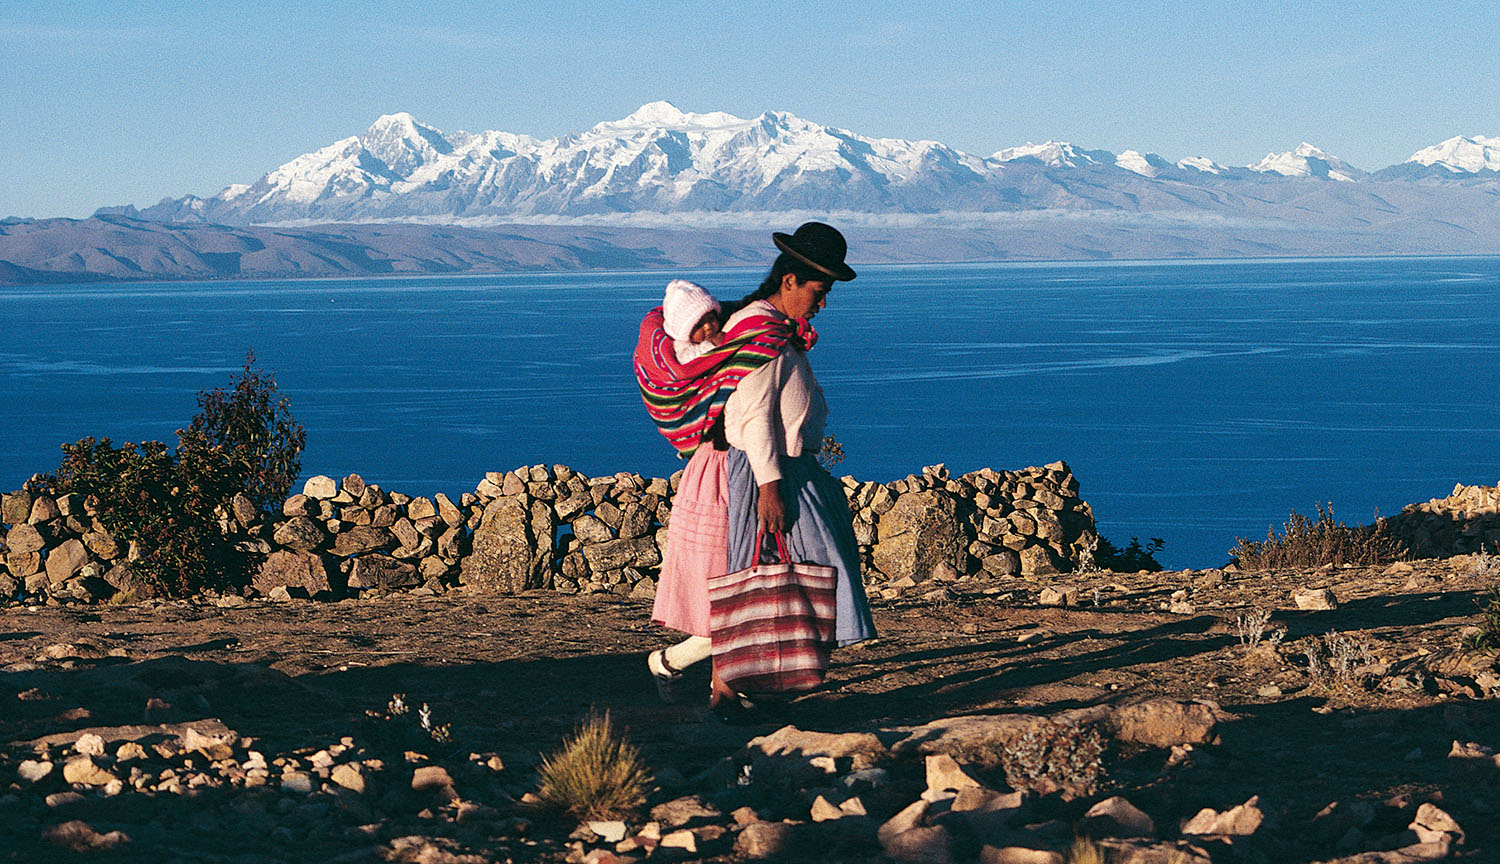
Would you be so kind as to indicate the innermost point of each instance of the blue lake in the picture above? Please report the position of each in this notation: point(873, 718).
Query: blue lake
point(1195, 401)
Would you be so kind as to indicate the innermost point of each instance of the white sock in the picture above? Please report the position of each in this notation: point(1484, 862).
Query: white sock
point(689, 651)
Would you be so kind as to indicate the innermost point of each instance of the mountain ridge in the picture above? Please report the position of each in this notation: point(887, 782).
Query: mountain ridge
point(662, 160)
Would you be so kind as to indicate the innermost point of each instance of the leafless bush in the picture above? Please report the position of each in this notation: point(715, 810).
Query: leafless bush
point(1336, 657)
point(1254, 627)
point(1307, 543)
point(1484, 565)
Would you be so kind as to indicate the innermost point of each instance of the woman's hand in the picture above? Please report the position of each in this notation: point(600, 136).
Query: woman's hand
point(771, 509)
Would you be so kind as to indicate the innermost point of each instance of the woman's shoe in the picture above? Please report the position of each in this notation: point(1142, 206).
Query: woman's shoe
point(664, 675)
point(737, 711)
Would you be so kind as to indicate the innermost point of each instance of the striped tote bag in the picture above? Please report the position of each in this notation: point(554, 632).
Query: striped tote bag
point(772, 624)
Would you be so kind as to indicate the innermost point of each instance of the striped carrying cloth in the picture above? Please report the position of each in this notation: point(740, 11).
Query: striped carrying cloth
point(773, 624)
point(684, 399)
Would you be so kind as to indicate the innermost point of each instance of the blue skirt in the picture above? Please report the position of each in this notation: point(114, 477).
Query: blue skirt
point(821, 532)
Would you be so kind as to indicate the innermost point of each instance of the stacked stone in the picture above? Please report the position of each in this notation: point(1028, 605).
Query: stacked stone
point(352, 533)
point(552, 527)
point(55, 547)
point(1465, 522)
point(1004, 523)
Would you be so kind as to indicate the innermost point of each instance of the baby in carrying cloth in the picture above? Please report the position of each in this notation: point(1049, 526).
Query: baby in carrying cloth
point(690, 315)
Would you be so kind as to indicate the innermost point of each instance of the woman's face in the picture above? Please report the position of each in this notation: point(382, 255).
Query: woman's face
point(803, 299)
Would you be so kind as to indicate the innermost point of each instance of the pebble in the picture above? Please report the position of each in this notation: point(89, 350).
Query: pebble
point(33, 771)
point(89, 744)
point(297, 782)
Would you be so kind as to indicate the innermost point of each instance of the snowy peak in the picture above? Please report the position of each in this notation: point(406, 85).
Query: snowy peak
point(664, 116)
point(1201, 163)
point(1461, 155)
point(1307, 160)
point(1144, 164)
point(403, 144)
point(1053, 154)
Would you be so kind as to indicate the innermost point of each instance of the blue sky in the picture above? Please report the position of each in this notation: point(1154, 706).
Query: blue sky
point(128, 102)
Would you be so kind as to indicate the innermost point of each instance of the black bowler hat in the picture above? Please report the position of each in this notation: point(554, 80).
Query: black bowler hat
point(820, 247)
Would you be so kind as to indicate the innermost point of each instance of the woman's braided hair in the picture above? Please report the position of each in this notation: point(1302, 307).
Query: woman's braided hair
point(783, 265)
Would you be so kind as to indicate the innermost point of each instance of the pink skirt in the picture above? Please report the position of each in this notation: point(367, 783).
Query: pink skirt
point(697, 544)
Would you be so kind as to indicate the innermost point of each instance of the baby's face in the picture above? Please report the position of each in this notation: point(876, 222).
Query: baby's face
point(706, 330)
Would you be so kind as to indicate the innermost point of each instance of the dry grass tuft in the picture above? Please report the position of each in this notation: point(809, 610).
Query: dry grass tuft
point(597, 774)
point(1304, 543)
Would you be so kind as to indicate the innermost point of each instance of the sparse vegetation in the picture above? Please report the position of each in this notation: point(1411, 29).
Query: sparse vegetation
point(1484, 565)
point(1086, 851)
point(597, 774)
point(1486, 637)
point(1336, 658)
point(167, 503)
point(1252, 627)
point(1307, 543)
point(830, 454)
point(1054, 756)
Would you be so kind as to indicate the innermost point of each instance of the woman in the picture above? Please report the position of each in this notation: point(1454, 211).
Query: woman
point(762, 474)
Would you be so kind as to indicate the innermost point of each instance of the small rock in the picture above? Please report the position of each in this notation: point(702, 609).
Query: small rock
point(82, 771)
point(682, 811)
point(1315, 599)
point(929, 845)
point(129, 751)
point(824, 810)
point(298, 782)
point(1059, 596)
point(33, 771)
point(63, 799)
point(944, 773)
point(349, 777)
point(1117, 817)
point(910, 817)
point(681, 839)
point(434, 779)
point(81, 837)
point(609, 832)
point(1241, 821)
point(1434, 825)
point(320, 488)
point(743, 816)
point(1019, 855)
point(769, 839)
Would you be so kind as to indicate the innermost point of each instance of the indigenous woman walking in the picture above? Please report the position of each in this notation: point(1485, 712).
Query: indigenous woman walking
point(751, 417)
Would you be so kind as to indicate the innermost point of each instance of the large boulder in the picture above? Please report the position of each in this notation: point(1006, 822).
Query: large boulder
point(361, 539)
point(921, 535)
point(508, 555)
point(640, 552)
point(64, 562)
point(288, 569)
point(382, 571)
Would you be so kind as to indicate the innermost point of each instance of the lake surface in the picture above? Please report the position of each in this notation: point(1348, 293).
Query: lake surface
point(1196, 401)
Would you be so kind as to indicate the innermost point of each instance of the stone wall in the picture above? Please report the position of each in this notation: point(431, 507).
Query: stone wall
point(550, 527)
point(1467, 521)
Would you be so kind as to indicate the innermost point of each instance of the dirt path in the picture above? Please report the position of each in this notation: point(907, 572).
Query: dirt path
point(513, 675)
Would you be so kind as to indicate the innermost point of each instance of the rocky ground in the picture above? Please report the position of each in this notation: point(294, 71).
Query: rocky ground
point(1189, 716)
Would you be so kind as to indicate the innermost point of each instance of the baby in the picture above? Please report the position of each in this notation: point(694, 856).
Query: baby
point(691, 317)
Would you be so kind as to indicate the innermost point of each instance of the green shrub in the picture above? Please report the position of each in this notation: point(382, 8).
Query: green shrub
point(597, 774)
point(252, 428)
point(1304, 543)
point(1486, 637)
point(1137, 556)
point(167, 502)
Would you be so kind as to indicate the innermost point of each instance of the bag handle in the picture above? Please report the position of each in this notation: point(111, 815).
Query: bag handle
point(760, 545)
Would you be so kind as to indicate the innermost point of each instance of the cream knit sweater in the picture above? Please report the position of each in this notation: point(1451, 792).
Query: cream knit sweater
point(777, 409)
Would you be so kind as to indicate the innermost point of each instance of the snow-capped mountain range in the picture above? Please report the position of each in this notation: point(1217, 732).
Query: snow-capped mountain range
point(660, 160)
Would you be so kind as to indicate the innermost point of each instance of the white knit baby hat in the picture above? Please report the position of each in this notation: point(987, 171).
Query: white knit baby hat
point(684, 306)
